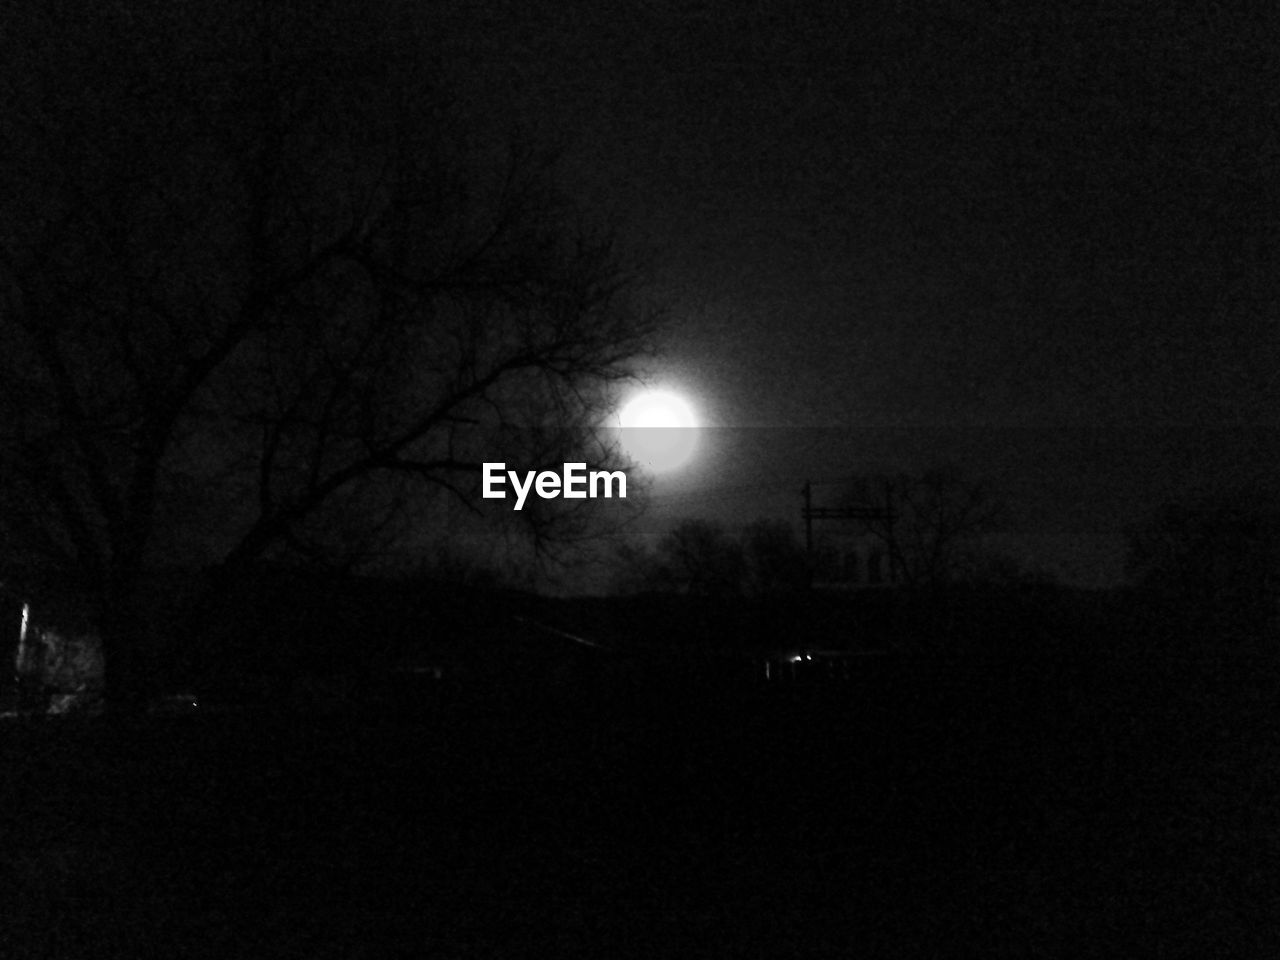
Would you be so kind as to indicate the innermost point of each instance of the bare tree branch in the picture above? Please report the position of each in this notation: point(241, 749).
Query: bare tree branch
point(268, 283)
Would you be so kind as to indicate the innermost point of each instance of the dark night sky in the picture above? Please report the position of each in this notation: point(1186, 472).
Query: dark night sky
point(1039, 244)
point(1035, 242)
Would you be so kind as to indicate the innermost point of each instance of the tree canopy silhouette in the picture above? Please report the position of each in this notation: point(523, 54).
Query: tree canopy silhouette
point(1210, 564)
point(261, 285)
point(701, 557)
point(939, 518)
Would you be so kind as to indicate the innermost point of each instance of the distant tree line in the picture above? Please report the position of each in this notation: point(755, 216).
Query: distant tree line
point(934, 526)
point(1207, 567)
point(701, 557)
point(936, 536)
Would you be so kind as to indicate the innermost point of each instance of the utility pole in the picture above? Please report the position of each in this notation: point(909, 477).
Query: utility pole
point(808, 518)
point(893, 541)
point(885, 513)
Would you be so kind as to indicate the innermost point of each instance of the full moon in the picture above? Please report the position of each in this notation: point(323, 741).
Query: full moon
point(658, 430)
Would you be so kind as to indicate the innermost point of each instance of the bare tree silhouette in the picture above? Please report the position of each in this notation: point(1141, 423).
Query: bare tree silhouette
point(938, 517)
point(261, 287)
point(699, 557)
point(1211, 564)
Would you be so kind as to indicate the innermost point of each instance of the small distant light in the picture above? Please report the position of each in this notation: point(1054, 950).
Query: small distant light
point(796, 658)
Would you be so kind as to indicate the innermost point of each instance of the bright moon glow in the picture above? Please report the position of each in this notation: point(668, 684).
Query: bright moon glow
point(658, 431)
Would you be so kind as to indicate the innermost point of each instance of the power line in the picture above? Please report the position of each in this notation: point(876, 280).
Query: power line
point(722, 490)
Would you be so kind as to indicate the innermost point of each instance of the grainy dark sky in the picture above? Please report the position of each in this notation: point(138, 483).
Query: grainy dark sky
point(1039, 242)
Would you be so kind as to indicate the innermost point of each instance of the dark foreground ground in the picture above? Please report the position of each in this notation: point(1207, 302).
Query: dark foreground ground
point(995, 810)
